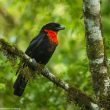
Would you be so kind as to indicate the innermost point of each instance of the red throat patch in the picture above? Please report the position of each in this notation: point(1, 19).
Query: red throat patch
point(52, 36)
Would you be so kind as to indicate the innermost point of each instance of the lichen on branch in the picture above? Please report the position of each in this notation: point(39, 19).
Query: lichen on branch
point(96, 52)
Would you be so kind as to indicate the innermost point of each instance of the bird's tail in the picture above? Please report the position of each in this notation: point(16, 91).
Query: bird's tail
point(24, 74)
point(19, 85)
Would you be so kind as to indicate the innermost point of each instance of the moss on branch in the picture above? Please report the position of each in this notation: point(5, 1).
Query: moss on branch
point(74, 94)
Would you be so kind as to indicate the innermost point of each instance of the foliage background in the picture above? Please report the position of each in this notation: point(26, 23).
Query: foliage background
point(20, 21)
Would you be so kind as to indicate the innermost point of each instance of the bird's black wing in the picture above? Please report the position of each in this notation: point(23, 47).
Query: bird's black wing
point(34, 44)
point(24, 71)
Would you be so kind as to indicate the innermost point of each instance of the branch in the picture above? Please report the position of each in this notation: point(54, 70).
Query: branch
point(74, 94)
point(96, 52)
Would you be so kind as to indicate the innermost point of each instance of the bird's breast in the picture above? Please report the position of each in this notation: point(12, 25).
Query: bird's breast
point(52, 36)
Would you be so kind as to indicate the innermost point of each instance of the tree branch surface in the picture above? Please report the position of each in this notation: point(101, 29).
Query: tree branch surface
point(74, 94)
point(96, 52)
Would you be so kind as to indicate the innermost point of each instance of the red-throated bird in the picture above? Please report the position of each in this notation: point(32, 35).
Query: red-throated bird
point(41, 49)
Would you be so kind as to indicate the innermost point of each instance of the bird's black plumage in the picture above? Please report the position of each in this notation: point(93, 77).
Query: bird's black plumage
point(41, 49)
point(38, 48)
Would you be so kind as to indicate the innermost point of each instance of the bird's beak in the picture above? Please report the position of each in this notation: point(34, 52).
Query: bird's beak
point(60, 28)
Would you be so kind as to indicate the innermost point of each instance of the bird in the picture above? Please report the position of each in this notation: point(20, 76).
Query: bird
point(41, 48)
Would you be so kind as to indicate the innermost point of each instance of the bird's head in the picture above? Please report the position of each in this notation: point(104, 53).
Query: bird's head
point(53, 27)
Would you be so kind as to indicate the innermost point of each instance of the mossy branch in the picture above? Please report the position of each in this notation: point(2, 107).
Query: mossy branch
point(74, 94)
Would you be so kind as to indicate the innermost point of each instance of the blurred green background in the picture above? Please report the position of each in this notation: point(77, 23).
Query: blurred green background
point(20, 22)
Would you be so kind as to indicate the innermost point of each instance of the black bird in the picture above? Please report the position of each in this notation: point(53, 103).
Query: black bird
point(41, 49)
